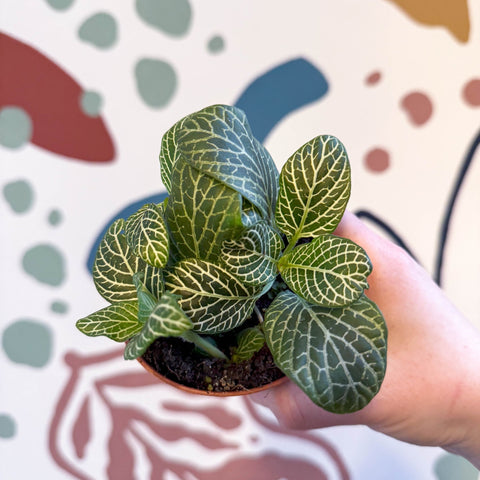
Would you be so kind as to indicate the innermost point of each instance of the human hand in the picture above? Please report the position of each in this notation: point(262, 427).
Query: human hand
point(431, 391)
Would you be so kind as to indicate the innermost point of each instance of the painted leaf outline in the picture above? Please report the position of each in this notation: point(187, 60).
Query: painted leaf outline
point(336, 356)
point(212, 297)
point(329, 271)
point(114, 266)
point(201, 213)
point(314, 188)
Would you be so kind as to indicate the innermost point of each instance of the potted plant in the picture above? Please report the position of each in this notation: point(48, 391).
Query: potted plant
point(240, 264)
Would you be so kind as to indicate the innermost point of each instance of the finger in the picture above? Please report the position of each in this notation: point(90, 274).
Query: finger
point(293, 409)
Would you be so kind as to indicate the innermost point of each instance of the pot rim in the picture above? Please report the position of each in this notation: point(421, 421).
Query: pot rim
point(197, 391)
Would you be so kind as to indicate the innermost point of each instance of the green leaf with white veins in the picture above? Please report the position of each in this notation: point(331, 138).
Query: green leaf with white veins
point(114, 266)
point(169, 154)
point(166, 320)
point(147, 235)
point(329, 271)
point(336, 356)
point(118, 322)
point(250, 341)
point(201, 213)
point(314, 189)
point(253, 256)
point(212, 297)
point(219, 142)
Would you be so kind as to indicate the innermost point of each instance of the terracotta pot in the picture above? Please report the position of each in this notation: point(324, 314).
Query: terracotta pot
point(196, 391)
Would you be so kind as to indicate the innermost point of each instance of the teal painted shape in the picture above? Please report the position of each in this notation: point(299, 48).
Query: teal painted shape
point(28, 342)
point(172, 17)
point(100, 30)
point(454, 467)
point(8, 426)
point(19, 195)
point(45, 263)
point(15, 127)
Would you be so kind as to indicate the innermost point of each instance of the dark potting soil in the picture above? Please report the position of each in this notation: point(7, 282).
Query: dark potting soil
point(181, 362)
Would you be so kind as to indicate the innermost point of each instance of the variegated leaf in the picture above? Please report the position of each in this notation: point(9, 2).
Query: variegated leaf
point(314, 189)
point(153, 280)
point(252, 258)
point(146, 301)
point(201, 213)
point(168, 154)
point(114, 266)
point(212, 297)
point(329, 271)
point(147, 235)
point(166, 320)
point(250, 341)
point(336, 356)
point(219, 142)
point(118, 322)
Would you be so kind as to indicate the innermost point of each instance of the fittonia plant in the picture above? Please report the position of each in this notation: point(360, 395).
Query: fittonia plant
point(231, 231)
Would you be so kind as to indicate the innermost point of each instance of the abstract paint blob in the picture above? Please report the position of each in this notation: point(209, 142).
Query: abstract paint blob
point(280, 91)
point(59, 307)
point(91, 103)
point(15, 127)
point(60, 4)
point(453, 466)
point(28, 342)
point(8, 427)
point(418, 107)
point(156, 81)
point(373, 78)
point(19, 195)
point(471, 92)
point(377, 160)
point(216, 44)
point(172, 17)
point(45, 263)
point(55, 217)
point(50, 98)
point(451, 14)
point(100, 30)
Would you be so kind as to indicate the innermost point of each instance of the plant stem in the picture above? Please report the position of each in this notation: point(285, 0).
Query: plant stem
point(203, 344)
point(258, 313)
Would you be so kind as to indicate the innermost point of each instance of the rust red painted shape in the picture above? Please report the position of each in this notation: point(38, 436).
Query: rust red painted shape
point(51, 97)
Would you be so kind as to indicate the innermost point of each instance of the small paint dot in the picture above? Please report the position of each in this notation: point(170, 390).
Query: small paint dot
point(91, 103)
point(8, 427)
point(156, 82)
point(55, 217)
point(28, 342)
point(60, 4)
point(216, 44)
point(377, 160)
point(19, 195)
point(15, 127)
point(471, 92)
point(373, 78)
point(100, 30)
point(172, 17)
point(59, 307)
point(418, 107)
point(45, 263)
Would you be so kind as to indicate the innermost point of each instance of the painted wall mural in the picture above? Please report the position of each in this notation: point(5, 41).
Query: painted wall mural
point(86, 92)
